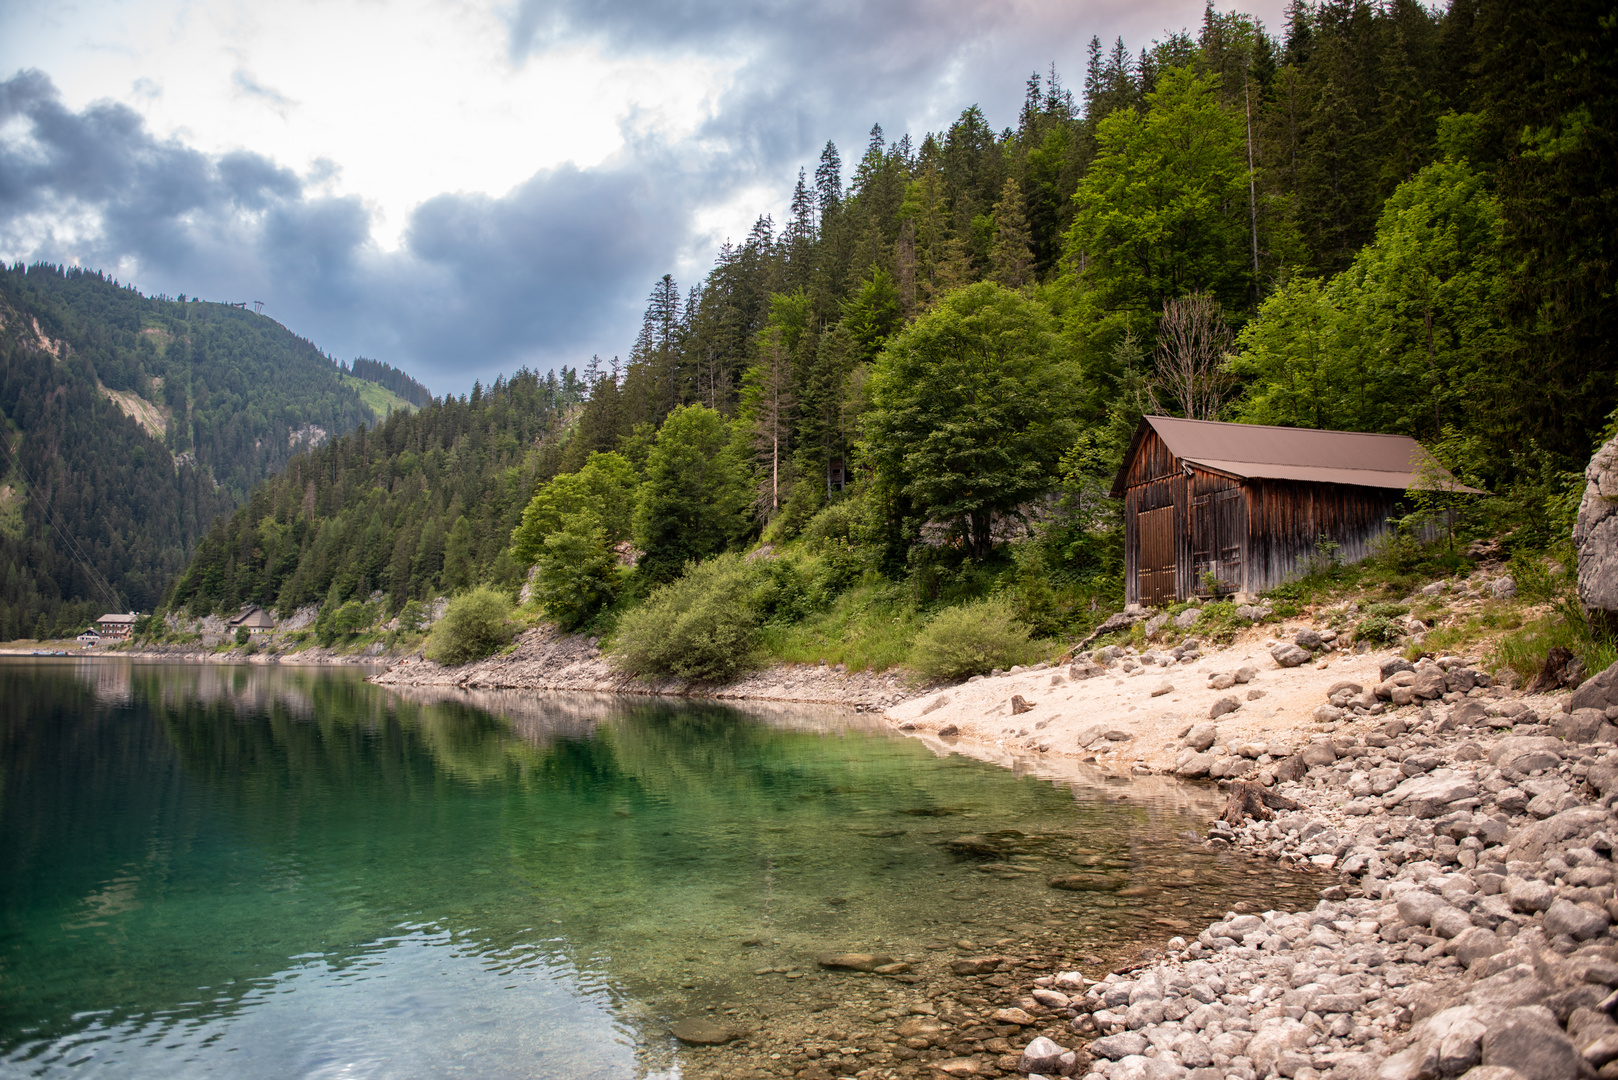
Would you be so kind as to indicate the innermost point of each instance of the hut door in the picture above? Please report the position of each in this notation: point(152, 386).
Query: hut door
point(1155, 564)
point(1216, 540)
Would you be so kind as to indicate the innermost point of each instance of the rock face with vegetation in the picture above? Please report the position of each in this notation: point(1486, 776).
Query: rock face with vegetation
point(1596, 537)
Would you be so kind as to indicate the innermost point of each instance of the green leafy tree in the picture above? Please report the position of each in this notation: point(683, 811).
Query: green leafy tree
point(696, 496)
point(1163, 210)
point(604, 488)
point(576, 571)
point(971, 408)
point(1403, 339)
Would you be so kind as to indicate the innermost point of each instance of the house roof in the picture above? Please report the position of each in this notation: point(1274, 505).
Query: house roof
point(256, 619)
point(1259, 452)
point(116, 618)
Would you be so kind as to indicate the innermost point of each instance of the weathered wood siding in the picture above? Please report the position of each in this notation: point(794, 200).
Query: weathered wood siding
point(1218, 534)
point(1249, 534)
point(1155, 481)
point(1286, 519)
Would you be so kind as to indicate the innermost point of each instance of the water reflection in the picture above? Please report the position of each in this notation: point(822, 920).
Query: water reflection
point(312, 875)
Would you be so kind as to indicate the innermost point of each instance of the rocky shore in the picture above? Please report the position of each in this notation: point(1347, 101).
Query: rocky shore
point(1469, 931)
point(547, 660)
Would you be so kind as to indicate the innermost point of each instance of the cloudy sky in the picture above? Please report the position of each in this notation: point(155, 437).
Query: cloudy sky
point(462, 187)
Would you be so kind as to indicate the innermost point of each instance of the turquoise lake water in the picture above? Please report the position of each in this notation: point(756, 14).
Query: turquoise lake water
point(281, 872)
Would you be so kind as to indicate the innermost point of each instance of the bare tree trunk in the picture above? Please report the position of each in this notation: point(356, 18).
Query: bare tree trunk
point(1252, 189)
point(1192, 343)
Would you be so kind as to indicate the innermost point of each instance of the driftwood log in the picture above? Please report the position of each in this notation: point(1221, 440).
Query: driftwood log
point(1249, 799)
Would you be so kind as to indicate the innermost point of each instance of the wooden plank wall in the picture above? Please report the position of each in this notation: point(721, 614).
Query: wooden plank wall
point(1218, 527)
point(1287, 518)
point(1154, 480)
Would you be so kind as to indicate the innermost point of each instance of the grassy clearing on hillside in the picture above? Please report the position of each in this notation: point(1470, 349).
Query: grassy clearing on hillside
point(379, 399)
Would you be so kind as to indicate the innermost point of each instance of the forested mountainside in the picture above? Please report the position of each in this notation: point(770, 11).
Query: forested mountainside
point(131, 423)
point(1386, 218)
point(420, 505)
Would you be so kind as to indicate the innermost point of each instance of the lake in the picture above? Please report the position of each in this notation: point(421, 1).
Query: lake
point(288, 872)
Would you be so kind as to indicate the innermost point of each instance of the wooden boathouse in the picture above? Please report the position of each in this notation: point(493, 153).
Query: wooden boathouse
point(1246, 506)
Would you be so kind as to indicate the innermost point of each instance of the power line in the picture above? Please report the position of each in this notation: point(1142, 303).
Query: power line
point(76, 552)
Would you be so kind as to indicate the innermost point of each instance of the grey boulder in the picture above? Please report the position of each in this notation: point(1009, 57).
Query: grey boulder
point(1290, 655)
point(1595, 538)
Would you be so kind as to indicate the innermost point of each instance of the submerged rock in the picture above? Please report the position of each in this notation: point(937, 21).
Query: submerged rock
point(696, 1031)
point(854, 961)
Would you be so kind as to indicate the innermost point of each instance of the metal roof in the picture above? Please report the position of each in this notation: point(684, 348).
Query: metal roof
point(1259, 452)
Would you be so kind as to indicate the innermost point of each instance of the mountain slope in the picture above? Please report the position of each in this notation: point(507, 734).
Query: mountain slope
point(129, 424)
point(420, 505)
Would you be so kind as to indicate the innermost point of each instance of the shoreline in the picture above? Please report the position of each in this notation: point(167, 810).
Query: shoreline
point(1465, 837)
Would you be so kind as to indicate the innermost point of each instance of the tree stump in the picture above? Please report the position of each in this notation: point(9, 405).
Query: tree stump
point(1553, 675)
point(1250, 799)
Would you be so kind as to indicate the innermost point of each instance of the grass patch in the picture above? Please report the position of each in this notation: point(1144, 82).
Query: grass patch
point(1523, 651)
point(378, 398)
point(870, 627)
point(1464, 636)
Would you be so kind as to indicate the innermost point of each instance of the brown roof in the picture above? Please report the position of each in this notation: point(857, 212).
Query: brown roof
point(116, 619)
point(256, 619)
point(1259, 452)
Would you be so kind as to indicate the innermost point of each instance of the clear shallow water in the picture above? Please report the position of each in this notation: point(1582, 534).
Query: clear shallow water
point(274, 872)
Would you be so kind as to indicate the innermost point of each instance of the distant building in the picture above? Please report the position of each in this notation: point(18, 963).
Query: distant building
point(89, 639)
point(116, 626)
point(255, 619)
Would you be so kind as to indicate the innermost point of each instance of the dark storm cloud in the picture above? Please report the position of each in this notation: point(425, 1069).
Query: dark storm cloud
point(481, 284)
point(559, 266)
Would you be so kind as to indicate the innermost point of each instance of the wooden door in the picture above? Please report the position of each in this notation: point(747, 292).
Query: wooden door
point(1217, 531)
point(1155, 562)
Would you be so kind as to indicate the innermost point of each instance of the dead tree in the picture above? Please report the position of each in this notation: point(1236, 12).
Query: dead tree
point(1192, 342)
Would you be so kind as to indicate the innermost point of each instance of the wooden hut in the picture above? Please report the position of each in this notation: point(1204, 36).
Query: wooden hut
point(1245, 506)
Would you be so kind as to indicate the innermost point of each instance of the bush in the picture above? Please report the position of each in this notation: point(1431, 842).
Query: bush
point(1379, 626)
point(243, 635)
point(972, 640)
point(702, 626)
point(477, 624)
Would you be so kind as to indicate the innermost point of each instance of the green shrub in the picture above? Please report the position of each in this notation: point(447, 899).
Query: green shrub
point(838, 522)
point(1378, 625)
point(702, 626)
point(243, 635)
point(476, 624)
point(972, 639)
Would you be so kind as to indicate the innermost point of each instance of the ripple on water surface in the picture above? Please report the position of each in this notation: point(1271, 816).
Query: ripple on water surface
point(284, 872)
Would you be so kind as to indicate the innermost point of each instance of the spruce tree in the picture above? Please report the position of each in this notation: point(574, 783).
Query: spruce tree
point(1011, 259)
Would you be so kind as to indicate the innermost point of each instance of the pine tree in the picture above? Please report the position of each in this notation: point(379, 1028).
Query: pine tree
point(829, 181)
point(1011, 259)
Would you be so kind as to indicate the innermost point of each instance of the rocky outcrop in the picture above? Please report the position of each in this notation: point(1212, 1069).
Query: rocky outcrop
point(1595, 535)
